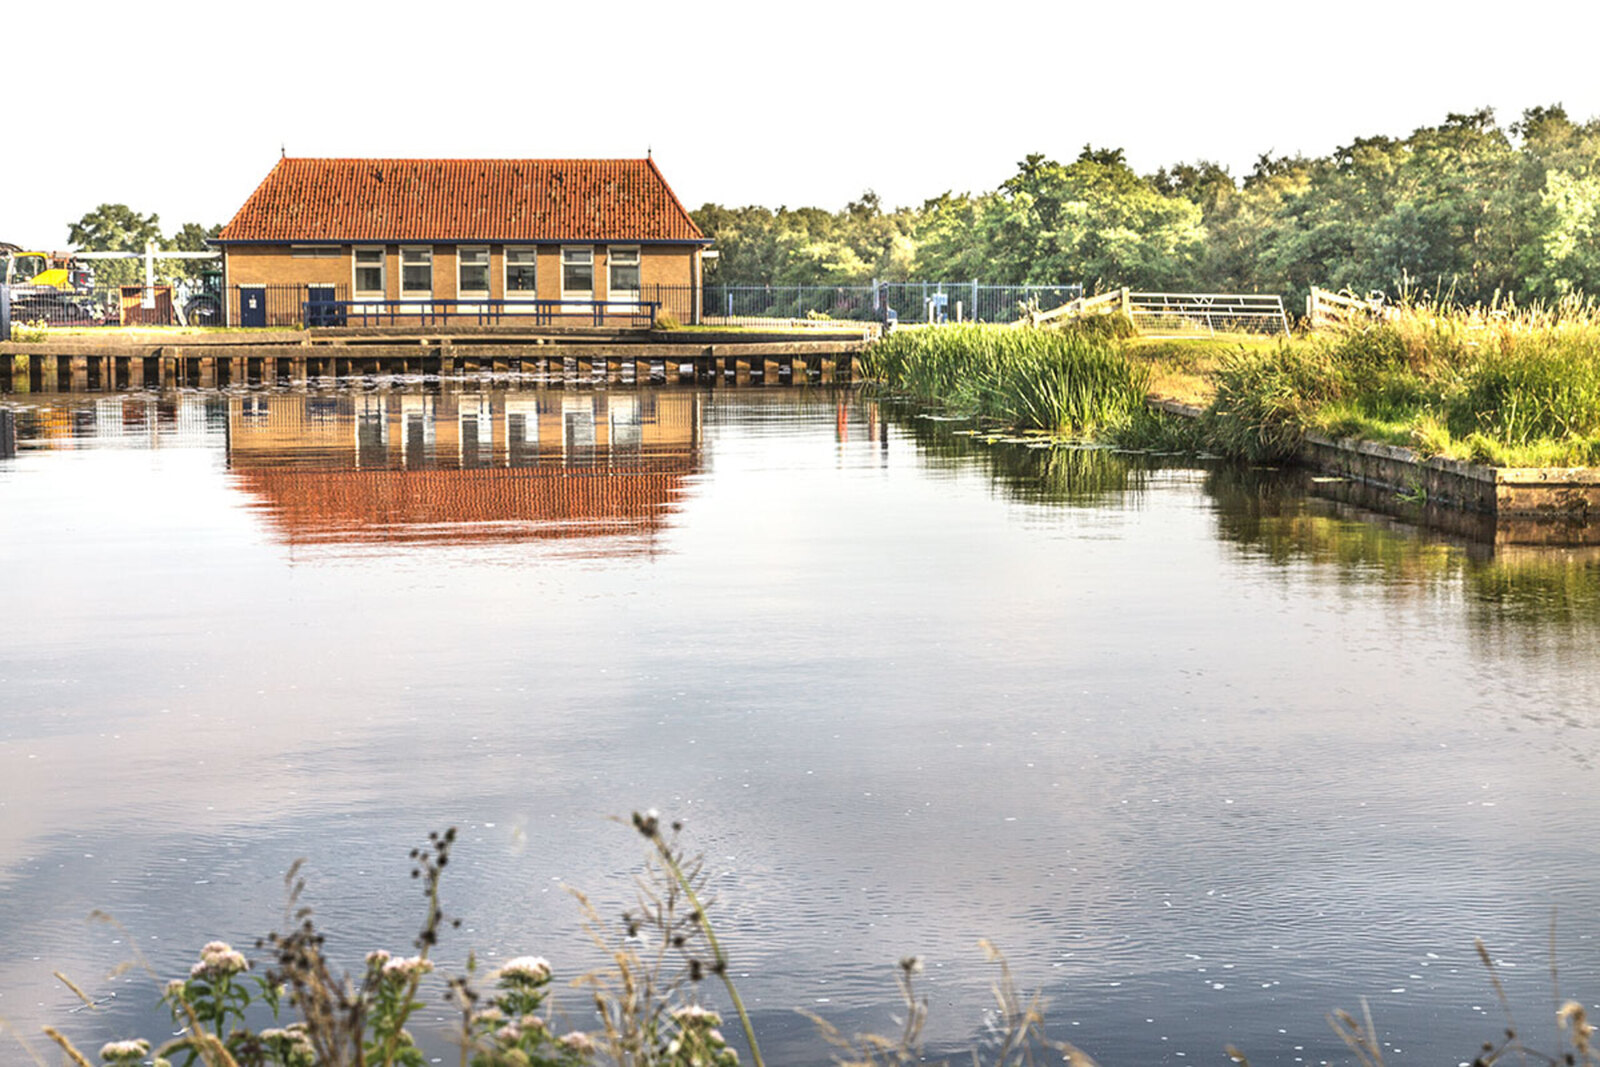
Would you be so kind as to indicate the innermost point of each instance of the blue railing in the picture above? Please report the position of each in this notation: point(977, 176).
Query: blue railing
point(475, 312)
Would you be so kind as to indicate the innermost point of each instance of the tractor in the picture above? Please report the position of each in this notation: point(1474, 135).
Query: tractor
point(201, 303)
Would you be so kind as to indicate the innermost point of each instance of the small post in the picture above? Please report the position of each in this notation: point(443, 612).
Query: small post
point(5, 312)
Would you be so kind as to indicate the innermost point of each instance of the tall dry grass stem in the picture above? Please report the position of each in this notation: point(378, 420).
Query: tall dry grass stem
point(649, 825)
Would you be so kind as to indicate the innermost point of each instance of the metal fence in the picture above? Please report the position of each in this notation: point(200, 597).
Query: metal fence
point(325, 313)
point(291, 306)
point(42, 305)
point(930, 301)
point(972, 301)
point(165, 305)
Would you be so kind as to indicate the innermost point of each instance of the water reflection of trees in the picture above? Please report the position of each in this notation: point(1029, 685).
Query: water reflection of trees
point(1279, 516)
point(1055, 474)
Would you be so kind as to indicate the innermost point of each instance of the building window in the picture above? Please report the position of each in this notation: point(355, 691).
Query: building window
point(370, 280)
point(522, 280)
point(623, 266)
point(472, 272)
point(416, 272)
point(577, 274)
point(314, 251)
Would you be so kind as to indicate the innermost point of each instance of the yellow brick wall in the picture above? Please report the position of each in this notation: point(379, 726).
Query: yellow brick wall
point(274, 265)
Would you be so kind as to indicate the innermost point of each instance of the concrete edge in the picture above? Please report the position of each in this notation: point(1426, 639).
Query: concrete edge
point(1541, 492)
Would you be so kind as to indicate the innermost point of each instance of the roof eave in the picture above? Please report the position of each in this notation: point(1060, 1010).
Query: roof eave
point(223, 241)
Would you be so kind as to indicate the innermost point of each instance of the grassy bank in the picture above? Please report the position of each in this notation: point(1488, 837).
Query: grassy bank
point(1510, 390)
point(1519, 389)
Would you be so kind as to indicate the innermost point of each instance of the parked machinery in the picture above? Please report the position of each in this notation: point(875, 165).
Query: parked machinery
point(49, 287)
point(201, 303)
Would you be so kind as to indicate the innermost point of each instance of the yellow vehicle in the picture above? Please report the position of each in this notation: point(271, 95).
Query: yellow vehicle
point(44, 270)
point(48, 287)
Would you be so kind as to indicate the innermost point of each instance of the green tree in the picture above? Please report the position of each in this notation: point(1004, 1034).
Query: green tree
point(1569, 244)
point(1465, 209)
point(115, 228)
point(808, 245)
point(191, 237)
point(1098, 222)
point(119, 228)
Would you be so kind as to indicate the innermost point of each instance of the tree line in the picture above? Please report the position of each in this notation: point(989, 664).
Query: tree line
point(1467, 210)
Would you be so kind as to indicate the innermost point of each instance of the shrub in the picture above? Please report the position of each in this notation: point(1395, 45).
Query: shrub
point(1264, 401)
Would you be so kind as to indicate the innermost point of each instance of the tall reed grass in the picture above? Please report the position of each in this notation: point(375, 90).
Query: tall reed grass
point(1056, 381)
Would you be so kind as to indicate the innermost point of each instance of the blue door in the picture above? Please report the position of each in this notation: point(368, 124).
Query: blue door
point(253, 305)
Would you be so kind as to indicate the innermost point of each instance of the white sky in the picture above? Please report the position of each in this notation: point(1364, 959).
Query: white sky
point(182, 110)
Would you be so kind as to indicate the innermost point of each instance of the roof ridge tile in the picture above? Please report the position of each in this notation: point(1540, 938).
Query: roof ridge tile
point(355, 199)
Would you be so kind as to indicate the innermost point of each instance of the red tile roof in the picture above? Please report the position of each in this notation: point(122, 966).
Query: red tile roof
point(343, 200)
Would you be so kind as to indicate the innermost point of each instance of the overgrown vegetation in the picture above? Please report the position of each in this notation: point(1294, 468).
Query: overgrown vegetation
point(1508, 388)
point(1500, 386)
point(648, 1007)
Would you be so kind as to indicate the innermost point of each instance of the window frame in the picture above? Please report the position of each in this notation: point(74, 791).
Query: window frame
point(380, 293)
point(577, 294)
point(630, 295)
point(462, 292)
point(426, 252)
point(505, 272)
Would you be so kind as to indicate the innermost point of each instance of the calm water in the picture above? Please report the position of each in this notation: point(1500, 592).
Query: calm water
point(1207, 756)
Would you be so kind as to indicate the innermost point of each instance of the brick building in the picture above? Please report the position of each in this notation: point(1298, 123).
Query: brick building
point(513, 230)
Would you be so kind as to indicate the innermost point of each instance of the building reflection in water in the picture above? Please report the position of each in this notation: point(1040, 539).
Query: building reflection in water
point(463, 466)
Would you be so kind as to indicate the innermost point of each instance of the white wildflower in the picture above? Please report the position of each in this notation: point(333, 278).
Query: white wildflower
point(533, 969)
point(695, 1015)
point(578, 1041)
point(219, 960)
point(125, 1051)
point(406, 968)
